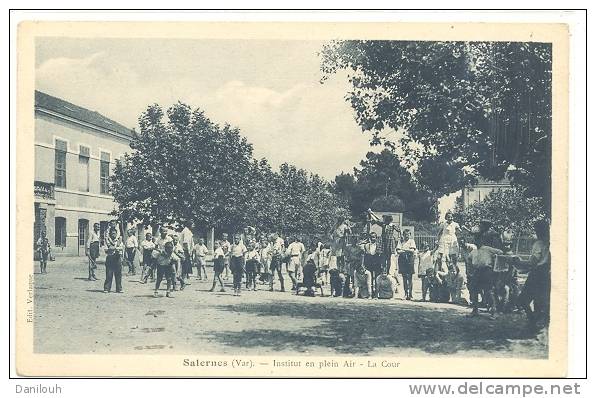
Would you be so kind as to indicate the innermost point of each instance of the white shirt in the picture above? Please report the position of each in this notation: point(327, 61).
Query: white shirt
point(218, 253)
point(131, 242)
point(201, 250)
point(295, 249)
point(425, 262)
point(448, 232)
point(148, 244)
point(186, 237)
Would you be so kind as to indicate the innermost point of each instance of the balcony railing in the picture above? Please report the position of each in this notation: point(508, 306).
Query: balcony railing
point(44, 190)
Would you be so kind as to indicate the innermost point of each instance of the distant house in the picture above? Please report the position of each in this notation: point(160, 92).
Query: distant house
point(75, 152)
point(477, 193)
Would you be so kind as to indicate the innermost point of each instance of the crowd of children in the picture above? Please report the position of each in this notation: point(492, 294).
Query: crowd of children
point(366, 267)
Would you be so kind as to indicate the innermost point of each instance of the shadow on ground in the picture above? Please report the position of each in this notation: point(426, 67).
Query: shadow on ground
point(353, 328)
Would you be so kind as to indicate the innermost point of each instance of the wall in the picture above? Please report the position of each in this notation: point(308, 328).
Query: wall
point(71, 202)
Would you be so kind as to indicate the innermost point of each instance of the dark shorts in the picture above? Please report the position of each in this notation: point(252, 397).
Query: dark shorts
point(218, 265)
point(482, 279)
point(405, 263)
point(252, 266)
point(237, 265)
point(372, 262)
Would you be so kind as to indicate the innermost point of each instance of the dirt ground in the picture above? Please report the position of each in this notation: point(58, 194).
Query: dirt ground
point(73, 315)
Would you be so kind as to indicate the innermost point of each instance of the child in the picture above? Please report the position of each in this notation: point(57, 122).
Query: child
point(166, 264)
point(294, 265)
point(277, 252)
point(407, 253)
point(114, 249)
point(265, 255)
point(455, 282)
point(131, 248)
point(310, 280)
point(225, 246)
point(218, 266)
point(148, 267)
point(425, 262)
point(252, 264)
point(93, 251)
point(178, 257)
point(44, 248)
point(324, 257)
point(237, 263)
point(386, 285)
point(186, 262)
point(362, 282)
point(199, 254)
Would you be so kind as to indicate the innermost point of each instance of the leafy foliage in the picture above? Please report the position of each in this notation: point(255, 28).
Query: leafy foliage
point(185, 167)
point(382, 181)
point(457, 110)
point(509, 210)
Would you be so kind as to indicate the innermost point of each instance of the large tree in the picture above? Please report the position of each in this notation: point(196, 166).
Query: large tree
point(457, 110)
point(382, 181)
point(184, 167)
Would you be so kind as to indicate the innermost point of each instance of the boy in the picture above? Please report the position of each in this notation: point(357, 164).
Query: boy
point(166, 264)
point(44, 248)
point(131, 247)
point(114, 250)
point(200, 253)
point(310, 280)
point(362, 283)
point(148, 267)
point(225, 246)
point(178, 257)
point(294, 251)
point(252, 264)
point(425, 261)
point(277, 251)
point(218, 266)
point(237, 253)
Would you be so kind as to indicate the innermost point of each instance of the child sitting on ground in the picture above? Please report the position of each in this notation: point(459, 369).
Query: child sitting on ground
point(309, 280)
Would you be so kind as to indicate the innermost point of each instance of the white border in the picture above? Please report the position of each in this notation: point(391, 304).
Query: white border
point(577, 220)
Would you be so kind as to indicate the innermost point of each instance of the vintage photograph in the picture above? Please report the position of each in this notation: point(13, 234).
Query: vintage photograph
point(287, 198)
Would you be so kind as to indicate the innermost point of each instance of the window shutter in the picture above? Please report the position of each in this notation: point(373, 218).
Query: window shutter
point(84, 151)
point(61, 145)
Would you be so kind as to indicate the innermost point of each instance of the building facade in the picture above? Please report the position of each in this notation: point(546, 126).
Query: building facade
point(477, 193)
point(75, 152)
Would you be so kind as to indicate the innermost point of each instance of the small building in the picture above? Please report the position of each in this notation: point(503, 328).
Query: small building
point(476, 193)
point(75, 152)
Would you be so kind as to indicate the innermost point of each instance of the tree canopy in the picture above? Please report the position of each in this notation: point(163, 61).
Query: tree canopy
point(457, 110)
point(184, 167)
point(509, 210)
point(381, 181)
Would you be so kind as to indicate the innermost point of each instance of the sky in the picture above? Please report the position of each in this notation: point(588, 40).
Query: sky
point(269, 89)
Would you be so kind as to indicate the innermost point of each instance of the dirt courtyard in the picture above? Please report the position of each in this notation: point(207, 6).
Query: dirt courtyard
point(74, 316)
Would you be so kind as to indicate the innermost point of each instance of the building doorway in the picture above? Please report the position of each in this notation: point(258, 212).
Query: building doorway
point(83, 235)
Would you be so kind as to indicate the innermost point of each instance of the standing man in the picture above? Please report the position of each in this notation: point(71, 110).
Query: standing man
point(114, 250)
point(93, 251)
point(277, 252)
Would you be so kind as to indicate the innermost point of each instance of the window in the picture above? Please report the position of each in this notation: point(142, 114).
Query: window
point(60, 164)
point(104, 172)
point(84, 164)
point(60, 231)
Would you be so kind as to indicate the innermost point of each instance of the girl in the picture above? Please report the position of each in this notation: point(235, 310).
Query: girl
point(405, 261)
point(447, 239)
point(148, 267)
point(218, 266)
